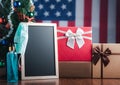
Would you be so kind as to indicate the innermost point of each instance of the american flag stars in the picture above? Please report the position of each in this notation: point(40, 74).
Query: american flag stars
point(54, 10)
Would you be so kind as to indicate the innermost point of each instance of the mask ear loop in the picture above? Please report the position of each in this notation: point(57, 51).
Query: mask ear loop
point(19, 59)
point(19, 62)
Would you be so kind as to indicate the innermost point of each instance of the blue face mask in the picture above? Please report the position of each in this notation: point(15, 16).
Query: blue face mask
point(21, 38)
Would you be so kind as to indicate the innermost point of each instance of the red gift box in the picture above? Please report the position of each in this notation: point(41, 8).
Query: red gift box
point(74, 44)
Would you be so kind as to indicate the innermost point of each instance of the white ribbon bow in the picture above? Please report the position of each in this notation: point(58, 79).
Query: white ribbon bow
point(78, 36)
point(75, 36)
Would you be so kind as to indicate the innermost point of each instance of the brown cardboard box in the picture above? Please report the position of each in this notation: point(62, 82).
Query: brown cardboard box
point(75, 69)
point(112, 70)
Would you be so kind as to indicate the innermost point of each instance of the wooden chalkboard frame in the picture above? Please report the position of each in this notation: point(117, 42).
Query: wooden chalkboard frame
point(23, 59)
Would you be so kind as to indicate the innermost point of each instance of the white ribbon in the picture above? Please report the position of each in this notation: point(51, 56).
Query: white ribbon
point(78, 36)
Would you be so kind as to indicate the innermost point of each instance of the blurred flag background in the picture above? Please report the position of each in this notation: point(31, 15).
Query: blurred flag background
point(102, 15)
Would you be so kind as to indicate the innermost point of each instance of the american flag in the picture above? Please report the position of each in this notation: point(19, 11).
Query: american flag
point(102, 15)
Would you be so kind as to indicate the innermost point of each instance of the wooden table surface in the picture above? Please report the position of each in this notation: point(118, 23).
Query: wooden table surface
point(65, 81)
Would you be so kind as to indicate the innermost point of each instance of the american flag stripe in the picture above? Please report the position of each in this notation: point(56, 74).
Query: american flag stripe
point(55, 22)
point(102, 15)
point(63, 23)
point(87, 12)
point(79, 18)
point(71, 23)
point(95, 20)
point(103, 21)
point(111, 21)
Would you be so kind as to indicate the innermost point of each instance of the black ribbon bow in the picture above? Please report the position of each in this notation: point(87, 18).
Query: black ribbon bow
point(97, 54)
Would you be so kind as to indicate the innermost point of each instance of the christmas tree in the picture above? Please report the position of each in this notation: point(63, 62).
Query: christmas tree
point(12, 12)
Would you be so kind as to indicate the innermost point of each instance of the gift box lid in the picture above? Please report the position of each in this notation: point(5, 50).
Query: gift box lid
point(74, 43)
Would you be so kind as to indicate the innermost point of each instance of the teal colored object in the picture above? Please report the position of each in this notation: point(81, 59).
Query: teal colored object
point(21, 38)
point(12, 67)
point(0, 63)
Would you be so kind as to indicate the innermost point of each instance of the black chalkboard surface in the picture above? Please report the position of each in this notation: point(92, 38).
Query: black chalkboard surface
point(40, 60)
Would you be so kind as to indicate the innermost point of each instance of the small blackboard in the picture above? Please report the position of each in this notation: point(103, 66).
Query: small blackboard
point(41, 57)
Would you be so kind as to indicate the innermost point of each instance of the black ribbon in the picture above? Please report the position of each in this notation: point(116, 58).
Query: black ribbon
point(97, 54)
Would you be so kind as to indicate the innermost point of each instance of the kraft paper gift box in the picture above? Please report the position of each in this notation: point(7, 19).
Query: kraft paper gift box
point(107, 66)
point(74, 51)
